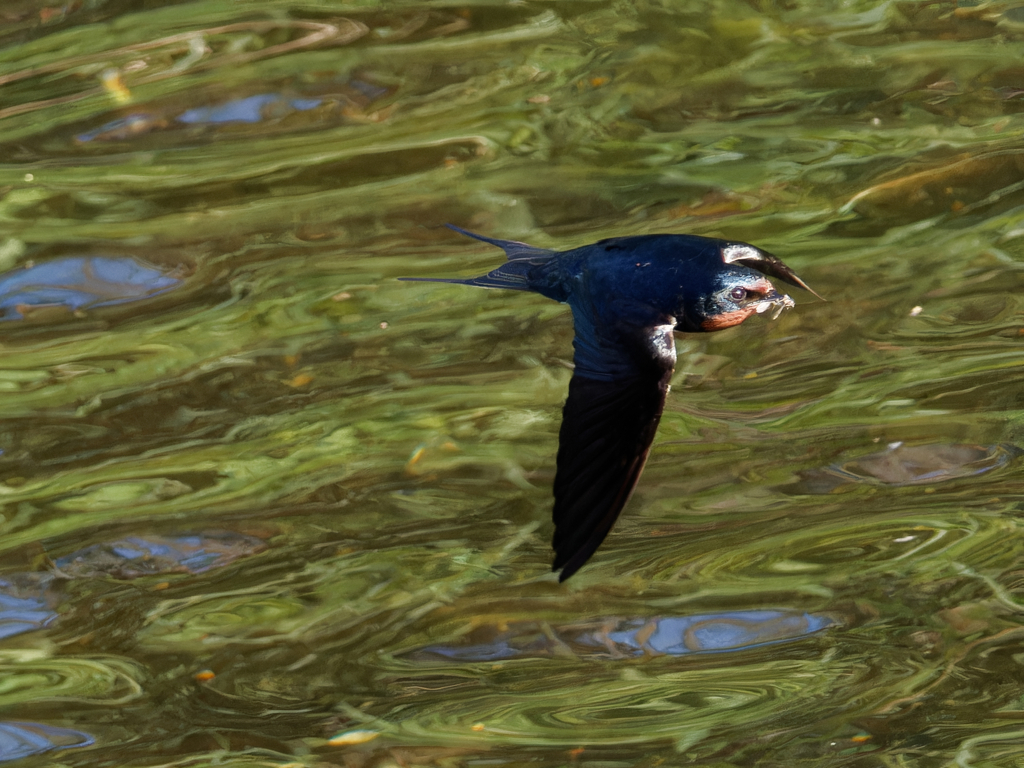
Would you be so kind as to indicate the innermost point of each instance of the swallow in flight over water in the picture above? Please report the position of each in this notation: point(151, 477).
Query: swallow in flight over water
point(628, 295)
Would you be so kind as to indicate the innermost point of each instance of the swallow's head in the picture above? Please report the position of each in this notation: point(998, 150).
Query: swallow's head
point(734, 284)
point(738, 294)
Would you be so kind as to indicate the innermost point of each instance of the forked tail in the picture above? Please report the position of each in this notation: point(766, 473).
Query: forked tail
point(513, 275)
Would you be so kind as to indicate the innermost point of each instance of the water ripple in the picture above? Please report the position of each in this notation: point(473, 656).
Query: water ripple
point(32, 677)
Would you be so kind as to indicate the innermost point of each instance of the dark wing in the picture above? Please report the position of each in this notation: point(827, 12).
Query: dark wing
point(607, 429)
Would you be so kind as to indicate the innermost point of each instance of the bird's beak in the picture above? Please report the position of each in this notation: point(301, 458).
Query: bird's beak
point(775, 301)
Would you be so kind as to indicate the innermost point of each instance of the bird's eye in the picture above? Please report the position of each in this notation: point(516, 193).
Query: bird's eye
point(738, 294)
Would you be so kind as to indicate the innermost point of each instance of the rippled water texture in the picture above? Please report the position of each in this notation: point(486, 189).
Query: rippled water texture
point(263, 504)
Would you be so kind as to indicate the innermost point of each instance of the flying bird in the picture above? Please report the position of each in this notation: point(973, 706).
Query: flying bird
point(628, 295)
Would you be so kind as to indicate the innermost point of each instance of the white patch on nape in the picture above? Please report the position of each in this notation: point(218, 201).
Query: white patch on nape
point(740, 252)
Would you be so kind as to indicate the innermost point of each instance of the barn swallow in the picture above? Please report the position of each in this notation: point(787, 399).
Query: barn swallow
point(628, 295)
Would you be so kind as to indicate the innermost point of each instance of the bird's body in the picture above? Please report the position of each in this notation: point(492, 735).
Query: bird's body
point(628, 295)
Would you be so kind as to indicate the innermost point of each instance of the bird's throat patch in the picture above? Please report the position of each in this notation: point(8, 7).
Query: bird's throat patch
point(727, 319)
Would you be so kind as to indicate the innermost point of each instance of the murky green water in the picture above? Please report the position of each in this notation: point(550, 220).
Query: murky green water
point(263, 504)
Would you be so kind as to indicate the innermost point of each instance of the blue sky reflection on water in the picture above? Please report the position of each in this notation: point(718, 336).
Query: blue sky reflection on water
point(672, 635)
point(250, 109)
point(19, 740)
point(79, 282)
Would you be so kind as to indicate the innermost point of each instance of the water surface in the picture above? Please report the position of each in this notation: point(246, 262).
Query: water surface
point(263, 504)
